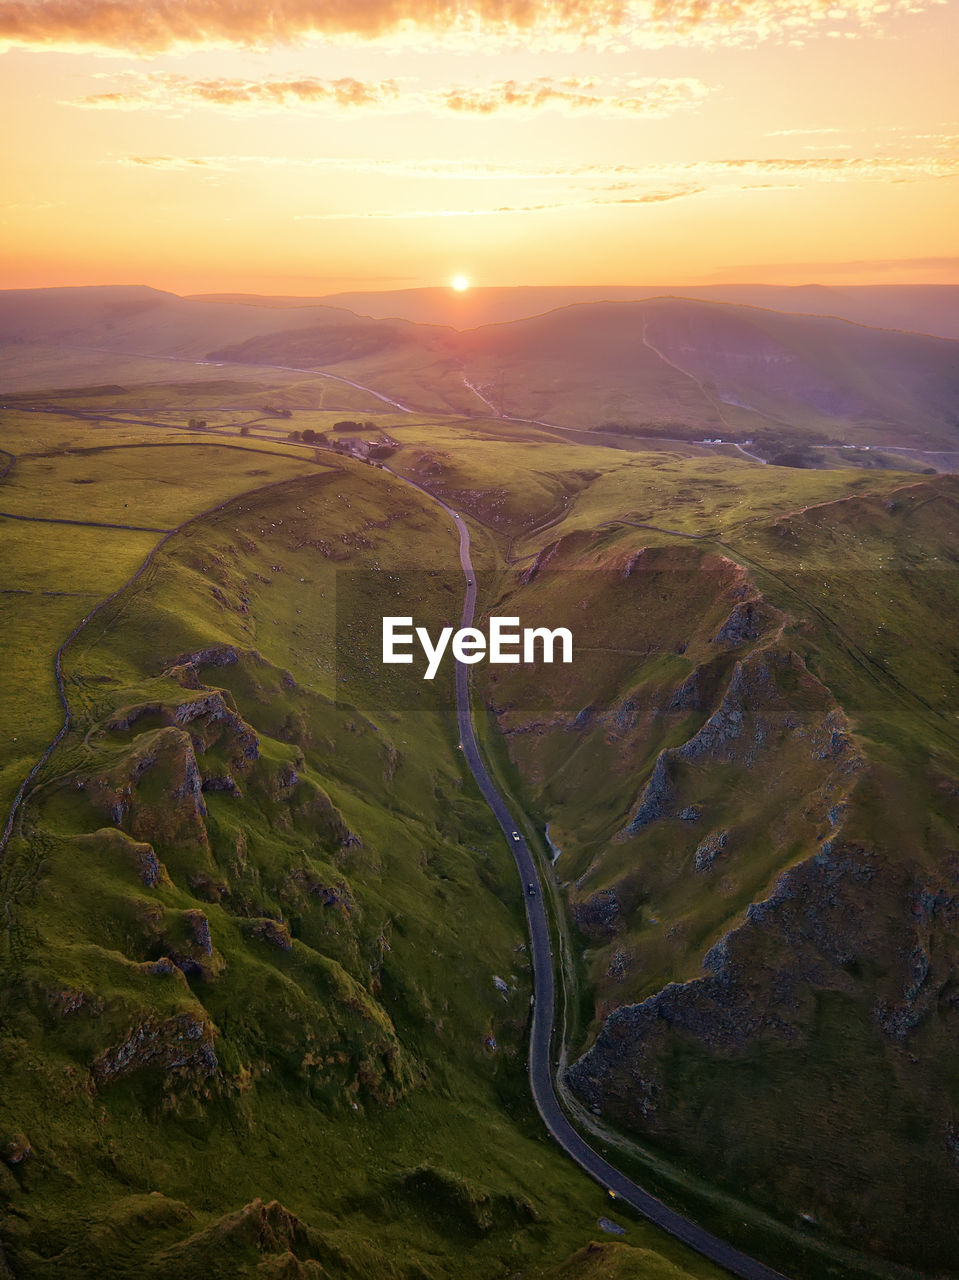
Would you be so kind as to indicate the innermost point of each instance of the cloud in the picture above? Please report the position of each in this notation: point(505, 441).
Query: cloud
point(801, 133)
point(647, 98)
point(177, 163)
point(755, 173)
point(838, 168)
point(393, 215)
point(145, 27)
point(572, 96)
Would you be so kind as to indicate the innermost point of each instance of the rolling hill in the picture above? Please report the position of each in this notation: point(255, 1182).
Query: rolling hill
point(748, 777)
point(664, 367)
point(931, 309)
point(264, 987)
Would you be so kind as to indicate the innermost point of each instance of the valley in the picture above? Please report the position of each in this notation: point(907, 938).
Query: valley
point(267, 965)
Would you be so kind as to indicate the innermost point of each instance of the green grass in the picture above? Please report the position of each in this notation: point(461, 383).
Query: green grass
point(389, 1005)
point(856, 582)
point(160, 485)
point(357, 1082)
point(53, 575)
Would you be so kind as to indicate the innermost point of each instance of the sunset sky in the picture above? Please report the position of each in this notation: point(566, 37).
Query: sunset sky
point(312, 146)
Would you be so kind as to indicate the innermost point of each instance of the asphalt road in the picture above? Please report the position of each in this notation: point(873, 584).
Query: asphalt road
point(540, 1067)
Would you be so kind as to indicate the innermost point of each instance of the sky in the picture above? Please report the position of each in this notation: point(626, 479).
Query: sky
point(306, 147)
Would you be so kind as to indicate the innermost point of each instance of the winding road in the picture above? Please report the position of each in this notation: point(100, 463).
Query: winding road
point(544, 986)
point(540, 1068)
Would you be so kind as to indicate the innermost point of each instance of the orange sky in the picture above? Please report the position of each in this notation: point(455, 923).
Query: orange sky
point(308, 147)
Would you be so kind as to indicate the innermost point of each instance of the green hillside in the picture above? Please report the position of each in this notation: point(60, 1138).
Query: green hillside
point(666, 367)
point(750, 772)
point(264, 983)
point(264, 987)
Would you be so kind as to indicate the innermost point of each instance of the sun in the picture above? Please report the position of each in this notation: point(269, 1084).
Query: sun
point(460, 283)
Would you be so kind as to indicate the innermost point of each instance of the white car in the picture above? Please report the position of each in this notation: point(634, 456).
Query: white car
point(515, 835)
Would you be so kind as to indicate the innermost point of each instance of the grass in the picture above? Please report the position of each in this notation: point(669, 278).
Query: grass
point(160, 485)
point(53, 575)
point(853, 585)
point(359, 1083)
point(389, 1005)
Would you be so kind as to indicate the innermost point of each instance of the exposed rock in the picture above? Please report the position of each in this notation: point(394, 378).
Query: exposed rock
point(214, 655)
point(15, 1148)
point(139, 853)
point(221, 782)
point(754, 715)
point(658, 798)
point(187, 942)
point(303, 879)
point(542, 560)
point(599, 916)
point(745, 623)
point(816, 925)
point(620, 965)
point(710, 849)
point(275, 932)
point(286, 780)
point(182, 1045)
point(689, 696)
point(200, 929)
point(162, 968)
point(155, 793)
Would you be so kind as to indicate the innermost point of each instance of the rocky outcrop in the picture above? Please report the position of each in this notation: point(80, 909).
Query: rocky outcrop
point(600, 916)
point(211, 718)
point(816, 931)
point(181, 1046)
point(658, 799)
point(274, 932)
point(138, 855)
point(771, 699)
point(156, 793)
point(710, 849)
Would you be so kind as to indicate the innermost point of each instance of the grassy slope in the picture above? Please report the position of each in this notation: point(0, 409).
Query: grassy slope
point(53, 575)
point(710, 368)
point(859, 584)
point(388, 1005)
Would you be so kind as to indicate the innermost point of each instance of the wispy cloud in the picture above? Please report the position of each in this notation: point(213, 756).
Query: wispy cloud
point(801, 133)
point(573, 96)
point(745, 172)
point(141, 27)
point(648, 97)
point(394, 215)
point(165, 90)
point(837, 168)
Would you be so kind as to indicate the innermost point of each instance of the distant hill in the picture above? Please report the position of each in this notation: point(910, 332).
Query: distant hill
point(723, 370)
point(921, 308)
point(143, 321)
point(661, 367)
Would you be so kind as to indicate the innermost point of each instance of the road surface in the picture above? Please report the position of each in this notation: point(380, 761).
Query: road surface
point(540, 1068)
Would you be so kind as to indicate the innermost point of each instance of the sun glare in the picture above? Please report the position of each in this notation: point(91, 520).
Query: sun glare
point(460, 283)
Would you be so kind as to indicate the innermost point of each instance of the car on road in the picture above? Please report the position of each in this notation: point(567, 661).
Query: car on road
point(531, 889)
point(515, 835)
